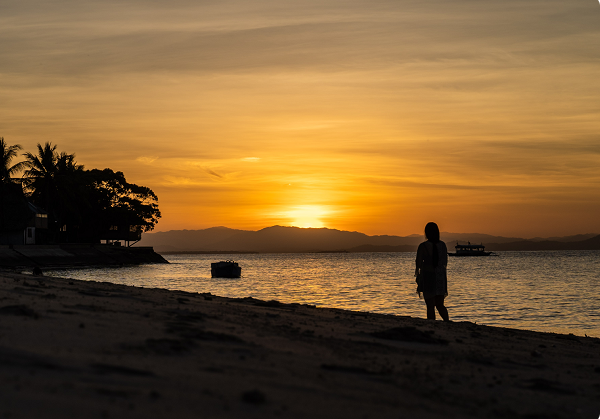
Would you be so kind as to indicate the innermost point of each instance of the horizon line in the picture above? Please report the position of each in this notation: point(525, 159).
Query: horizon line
point(373, 235)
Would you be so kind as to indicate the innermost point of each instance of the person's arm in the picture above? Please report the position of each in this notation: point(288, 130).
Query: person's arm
point(444, 258)
point(419, 261)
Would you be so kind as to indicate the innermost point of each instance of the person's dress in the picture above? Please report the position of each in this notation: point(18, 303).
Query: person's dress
point(435, 280)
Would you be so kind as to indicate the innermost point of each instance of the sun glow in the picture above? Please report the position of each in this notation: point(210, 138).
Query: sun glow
point(307, 216)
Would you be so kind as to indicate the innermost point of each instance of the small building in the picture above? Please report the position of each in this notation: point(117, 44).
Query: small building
point(38, 223)
point(122, 232)
point(21, 222)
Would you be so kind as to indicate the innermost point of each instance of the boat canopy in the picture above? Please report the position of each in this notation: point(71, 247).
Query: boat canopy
point(469, 247)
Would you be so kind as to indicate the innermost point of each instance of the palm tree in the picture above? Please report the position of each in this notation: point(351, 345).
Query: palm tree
point(7, 153)
point(39, 177)
point(13, 206)
point(51, 180)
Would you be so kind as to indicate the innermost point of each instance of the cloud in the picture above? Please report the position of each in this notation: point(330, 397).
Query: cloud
point(147, 159)
point(212, 173)
point(319, 37)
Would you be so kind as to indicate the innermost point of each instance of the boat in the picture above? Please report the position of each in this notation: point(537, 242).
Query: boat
point(470, 250)
point(225, 269)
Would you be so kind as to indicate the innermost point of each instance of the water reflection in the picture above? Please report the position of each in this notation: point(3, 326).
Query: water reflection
point(546, 291)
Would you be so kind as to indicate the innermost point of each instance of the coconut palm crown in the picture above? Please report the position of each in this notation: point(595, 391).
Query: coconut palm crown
point(7, 154)
point(47, 178)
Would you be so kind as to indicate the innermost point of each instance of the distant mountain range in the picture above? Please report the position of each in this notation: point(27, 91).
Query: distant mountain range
point(278, 239)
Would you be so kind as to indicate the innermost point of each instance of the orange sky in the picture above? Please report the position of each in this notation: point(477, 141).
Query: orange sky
point(374, 116)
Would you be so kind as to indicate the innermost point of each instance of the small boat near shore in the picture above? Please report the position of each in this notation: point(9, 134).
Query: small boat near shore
point(225, 269)
point(470, 250)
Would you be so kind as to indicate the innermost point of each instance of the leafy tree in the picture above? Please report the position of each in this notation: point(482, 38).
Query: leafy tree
point(117, 202)
point(7, 154)
point(87, 205)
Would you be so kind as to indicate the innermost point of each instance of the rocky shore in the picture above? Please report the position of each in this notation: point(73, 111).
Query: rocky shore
point(73, 349)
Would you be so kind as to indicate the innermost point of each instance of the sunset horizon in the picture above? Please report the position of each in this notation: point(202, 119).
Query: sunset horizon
point(375, 117)
point(416, 234)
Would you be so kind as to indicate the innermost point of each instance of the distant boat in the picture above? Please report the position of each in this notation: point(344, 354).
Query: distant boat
point(470, 250)
point(225, 269)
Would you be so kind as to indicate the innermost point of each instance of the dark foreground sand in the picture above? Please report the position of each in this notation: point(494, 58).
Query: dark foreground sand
point(73, 349)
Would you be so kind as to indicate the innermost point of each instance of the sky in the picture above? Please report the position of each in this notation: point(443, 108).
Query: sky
point(365, 115)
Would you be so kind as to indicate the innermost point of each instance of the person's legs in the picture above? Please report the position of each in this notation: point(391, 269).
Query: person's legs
point(430, 308)
point(439, 304)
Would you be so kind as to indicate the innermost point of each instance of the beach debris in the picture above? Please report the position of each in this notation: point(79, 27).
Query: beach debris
point(352, 370)
point(100, 368)
point(542, 384)
point(536, 354)
point(212, 336)
point(225, 269)
point(270, 303)
point(19, 310)
point(188, 315)
point(167, 346)
point(254, 397)
point(480, 359)
point(112, 393)
point(409, 334)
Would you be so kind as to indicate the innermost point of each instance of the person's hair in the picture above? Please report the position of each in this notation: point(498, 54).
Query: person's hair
point(432, 232)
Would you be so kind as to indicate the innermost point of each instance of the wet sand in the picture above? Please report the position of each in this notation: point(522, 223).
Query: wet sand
point(74, 349)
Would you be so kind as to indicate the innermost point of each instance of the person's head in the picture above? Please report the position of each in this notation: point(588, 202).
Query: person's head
point(432, 232)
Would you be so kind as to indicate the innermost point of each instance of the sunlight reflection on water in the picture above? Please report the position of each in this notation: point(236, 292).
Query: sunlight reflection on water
point(545, 291)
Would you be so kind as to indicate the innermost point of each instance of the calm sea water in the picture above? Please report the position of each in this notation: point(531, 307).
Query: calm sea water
point(545, 291)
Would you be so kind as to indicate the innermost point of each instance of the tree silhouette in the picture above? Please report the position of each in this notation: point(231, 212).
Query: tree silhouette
point(52, 181)
point(82, 205)
point(39, 177)
point(7, 154)
point(119, 204)
point(13, 205)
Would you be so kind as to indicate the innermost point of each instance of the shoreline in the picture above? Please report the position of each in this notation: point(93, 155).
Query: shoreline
point(71, 348)
point(57, 256)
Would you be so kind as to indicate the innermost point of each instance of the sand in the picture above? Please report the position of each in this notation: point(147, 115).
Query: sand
point(76, 349)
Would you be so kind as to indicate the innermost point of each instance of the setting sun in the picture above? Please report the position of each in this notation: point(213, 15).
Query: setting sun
point(307, 216)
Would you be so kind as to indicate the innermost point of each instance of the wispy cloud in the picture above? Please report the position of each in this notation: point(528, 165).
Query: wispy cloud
point(147, 159)
point(213, 173)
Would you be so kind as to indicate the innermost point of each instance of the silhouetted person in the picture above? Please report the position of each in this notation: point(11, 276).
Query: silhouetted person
point(432, 258)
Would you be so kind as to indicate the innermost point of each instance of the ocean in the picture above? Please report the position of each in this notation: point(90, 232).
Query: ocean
point(549, 291)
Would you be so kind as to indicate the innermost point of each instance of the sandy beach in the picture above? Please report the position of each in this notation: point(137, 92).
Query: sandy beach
point(74, 349)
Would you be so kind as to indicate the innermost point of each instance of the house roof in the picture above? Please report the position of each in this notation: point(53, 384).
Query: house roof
point(15, 210)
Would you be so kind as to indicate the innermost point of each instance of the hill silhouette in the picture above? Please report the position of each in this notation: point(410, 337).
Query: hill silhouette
point(280, 239)
point(276, 239)
point(530, 245)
